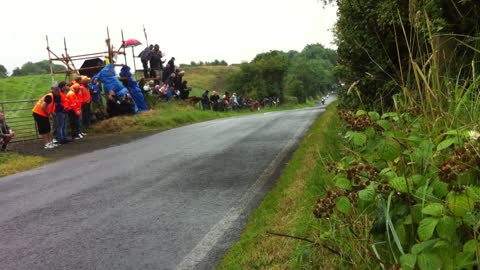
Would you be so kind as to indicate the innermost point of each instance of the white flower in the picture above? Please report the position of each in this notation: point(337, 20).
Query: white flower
point(473, 134)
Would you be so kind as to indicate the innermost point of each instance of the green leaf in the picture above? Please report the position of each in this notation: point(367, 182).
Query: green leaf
point(387, 174)
point(401, 184)
point(370, 132)
point(429, 261)
point(392, 115)
point(425, 245)
point(407, 261)
point(459, 204)
point(434, 209)
point(426, 228)
point(360, 112)
point(446, 228)
point(343, 183)
point(343, 205)
point(374, 115)
point(470, 246)
point(418, 180)
point(440, 189)
point(445, 144)
point(464, 259)
point(389, 149)
point(367, 194)
point(359, 138)
point(474, 193)
point(385, 124)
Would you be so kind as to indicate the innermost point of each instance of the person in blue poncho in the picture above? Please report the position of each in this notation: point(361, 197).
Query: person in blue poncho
point(119, 100)
point(133, 88)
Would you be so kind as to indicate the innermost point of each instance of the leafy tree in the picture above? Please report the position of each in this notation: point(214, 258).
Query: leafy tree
point(42, 67)
point(3, 71)
point(276, 73)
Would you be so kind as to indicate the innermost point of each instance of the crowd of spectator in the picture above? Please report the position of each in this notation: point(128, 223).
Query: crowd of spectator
point(77, 103)
point(234, 102)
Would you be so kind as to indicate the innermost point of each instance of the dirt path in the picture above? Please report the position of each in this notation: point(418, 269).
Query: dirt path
point(88, 144)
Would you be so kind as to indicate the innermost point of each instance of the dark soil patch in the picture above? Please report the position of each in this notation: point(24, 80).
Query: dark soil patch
point(88, 144)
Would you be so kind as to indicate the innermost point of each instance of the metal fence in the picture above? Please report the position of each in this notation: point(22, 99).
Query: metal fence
point(19, 118)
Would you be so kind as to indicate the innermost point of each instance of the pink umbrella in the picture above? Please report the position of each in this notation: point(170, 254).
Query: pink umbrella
point(132, 43)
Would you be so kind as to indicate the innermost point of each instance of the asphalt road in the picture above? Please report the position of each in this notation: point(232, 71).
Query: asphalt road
point(174, 200)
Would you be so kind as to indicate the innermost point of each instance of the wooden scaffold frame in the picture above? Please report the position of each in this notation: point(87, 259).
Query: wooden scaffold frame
point(68, 60)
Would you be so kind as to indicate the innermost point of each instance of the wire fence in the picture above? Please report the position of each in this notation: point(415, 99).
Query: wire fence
point(19, 118)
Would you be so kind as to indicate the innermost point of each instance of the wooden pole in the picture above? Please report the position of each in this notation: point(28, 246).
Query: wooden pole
point(50, 60)
point(134, 65)
point(110, 53)
point(68, 56)
point(145, 33)
point(123, 45)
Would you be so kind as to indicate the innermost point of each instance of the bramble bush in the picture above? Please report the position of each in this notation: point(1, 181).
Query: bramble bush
point(404, 197)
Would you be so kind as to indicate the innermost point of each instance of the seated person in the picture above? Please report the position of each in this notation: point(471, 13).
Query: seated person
point(6, 133)
point(119, 105)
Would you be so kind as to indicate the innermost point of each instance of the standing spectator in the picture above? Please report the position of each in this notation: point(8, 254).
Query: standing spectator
point(86, 102)
point(171, 64)
point(166, 73)
point(145, 57)
point(205, 101)
point(97, 102)
point(75, 111)
point(156, 64)
point(214, 97)
point(41, 112)
point(6, 133)
point(61, 107)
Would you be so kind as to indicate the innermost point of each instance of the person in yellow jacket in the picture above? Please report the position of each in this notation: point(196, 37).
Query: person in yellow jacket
point(42, 111)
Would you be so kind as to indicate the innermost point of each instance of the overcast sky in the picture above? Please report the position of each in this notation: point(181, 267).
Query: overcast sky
point(189, 30)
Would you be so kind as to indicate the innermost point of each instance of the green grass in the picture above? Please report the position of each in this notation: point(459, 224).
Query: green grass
point(11, 163)
point(287, 209)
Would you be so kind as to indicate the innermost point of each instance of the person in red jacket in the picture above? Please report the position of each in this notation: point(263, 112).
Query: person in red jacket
point(42, 111)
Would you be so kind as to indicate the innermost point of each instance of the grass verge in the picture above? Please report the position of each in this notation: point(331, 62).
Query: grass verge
point(287, 209)
point(11, 163)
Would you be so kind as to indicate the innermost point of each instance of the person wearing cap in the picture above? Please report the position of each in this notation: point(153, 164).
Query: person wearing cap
point(42, 111)
point(6, 133)
point(61, 110)
point(75, 110)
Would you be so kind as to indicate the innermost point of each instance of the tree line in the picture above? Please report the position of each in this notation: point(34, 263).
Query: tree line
point(30, 68)
point(216, 62)
point(304, 74)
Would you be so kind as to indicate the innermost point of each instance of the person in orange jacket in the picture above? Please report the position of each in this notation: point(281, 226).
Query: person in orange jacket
point(42, 111)
point(75, 110)
point(86, 103)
